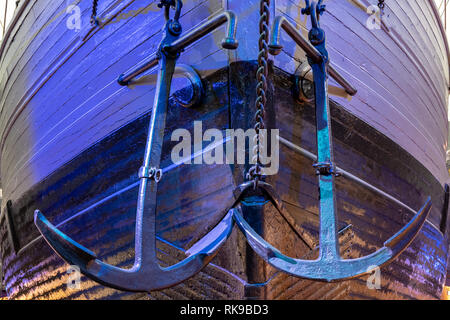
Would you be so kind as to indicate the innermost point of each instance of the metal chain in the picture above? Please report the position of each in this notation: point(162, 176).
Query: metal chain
point(381, 4)
point(94, 21)
point(254, 173)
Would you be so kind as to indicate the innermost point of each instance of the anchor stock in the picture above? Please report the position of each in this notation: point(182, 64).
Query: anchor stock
point(146, 274)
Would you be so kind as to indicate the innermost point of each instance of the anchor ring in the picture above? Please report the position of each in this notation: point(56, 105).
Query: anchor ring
point(174, 25)
point(325, 268)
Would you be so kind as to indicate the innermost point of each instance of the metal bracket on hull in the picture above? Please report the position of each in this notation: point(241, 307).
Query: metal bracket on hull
point(147, 274)
point(329, 266)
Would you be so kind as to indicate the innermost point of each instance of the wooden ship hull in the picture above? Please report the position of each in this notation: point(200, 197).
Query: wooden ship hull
point(72, 140)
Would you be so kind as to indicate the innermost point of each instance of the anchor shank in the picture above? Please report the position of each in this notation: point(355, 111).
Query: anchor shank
point(329, 245)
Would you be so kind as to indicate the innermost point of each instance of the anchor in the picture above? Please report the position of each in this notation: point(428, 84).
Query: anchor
point(146, 274)
point(329, 266)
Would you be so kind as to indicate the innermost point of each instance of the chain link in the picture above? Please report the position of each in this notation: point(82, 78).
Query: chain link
point(381, 4)
point(255, 173)
point(94, 21)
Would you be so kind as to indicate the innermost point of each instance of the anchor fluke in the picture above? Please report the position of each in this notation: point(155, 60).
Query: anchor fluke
point(61, 243)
